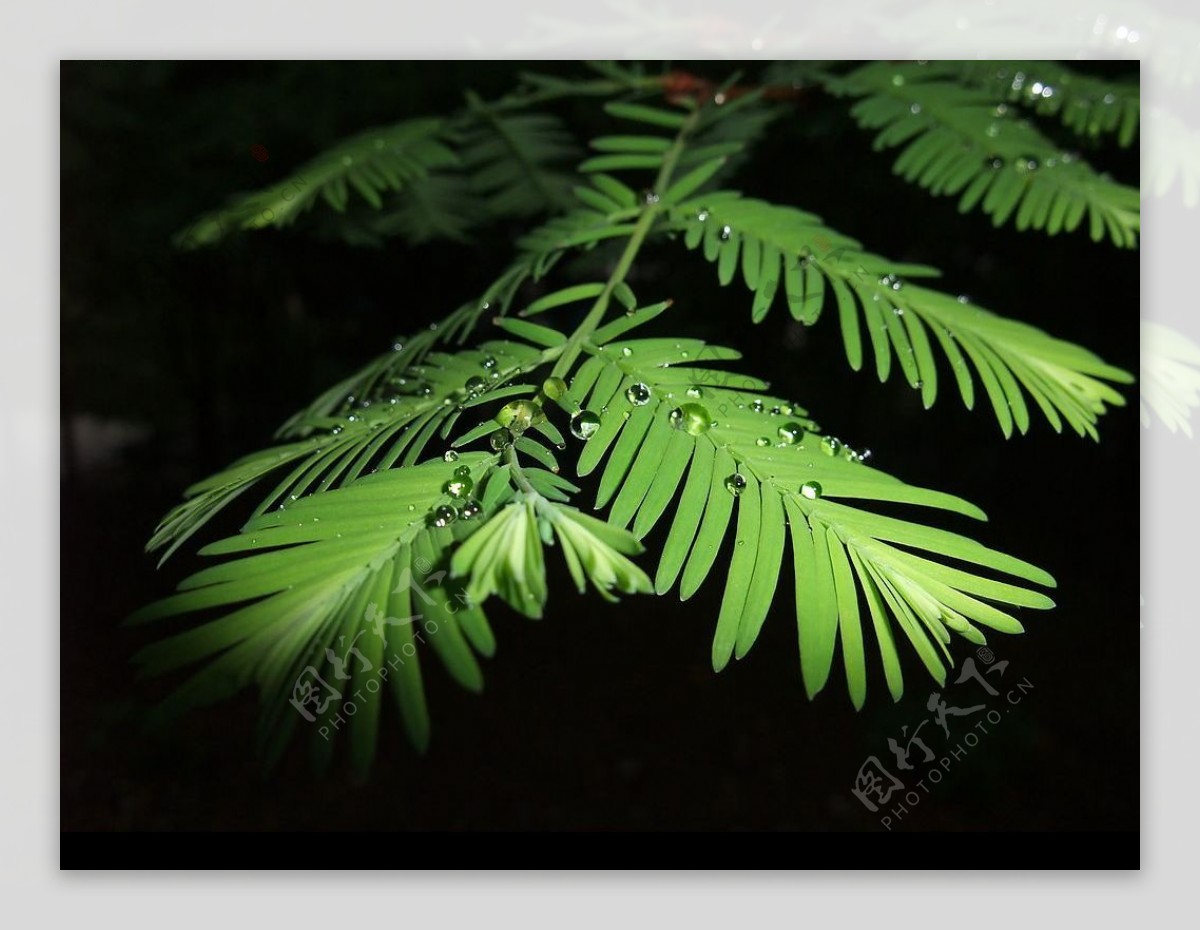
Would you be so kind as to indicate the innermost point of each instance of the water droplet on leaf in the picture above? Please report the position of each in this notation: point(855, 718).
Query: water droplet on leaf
point(520, 415)
point(735, 484)
point(691, 418)
point(790, 433)
point(584, 424)
point(638, 394)
point(811, 490)
point(554, 388)
point(458, 488)
point(443, 516)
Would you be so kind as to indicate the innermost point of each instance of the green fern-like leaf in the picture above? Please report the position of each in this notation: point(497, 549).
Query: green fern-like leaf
point(962, 141)
point(385, 415)
point(515, 158)
point(668, 421)
point(369, 165)
point(784, 254)
point(1088, 106)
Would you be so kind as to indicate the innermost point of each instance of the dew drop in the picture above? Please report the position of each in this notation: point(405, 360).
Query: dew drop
point(726, 232)
point(520, 415)
point(649, 197)
point(811, 490)
point(735, 484)
point(443, 516)
point(584, 424)
point(691, 418)
point(695, 392)
point(789, 433)
point(915, 109)
point(463, 471)
point(475, 386)
point(638, 394)
point(488, 362)
point(830, 445)
point(450, 456)
point(897, 80)
point(762, 441)
point(757, 406)
point(500, 440)
point(626, 351)
point(458, 488)
point(554, 388)
point(470, 510)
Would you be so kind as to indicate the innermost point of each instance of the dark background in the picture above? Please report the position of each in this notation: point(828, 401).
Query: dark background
point(173, 365)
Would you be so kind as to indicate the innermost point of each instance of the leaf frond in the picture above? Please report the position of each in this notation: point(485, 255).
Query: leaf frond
point(369, 165)
point(961, 141)
point(668, 422)
point(786, 255)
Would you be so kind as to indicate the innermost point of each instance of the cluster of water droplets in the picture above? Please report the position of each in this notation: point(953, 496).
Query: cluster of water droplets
point(458, 488)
